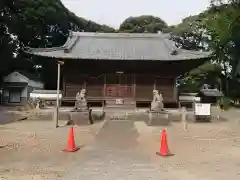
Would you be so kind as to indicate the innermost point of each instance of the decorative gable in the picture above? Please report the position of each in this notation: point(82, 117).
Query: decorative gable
point(16, 77)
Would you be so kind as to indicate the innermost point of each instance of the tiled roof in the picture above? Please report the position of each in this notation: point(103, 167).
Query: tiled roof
point(119, 46)
point(28, 75)
point(211, 92)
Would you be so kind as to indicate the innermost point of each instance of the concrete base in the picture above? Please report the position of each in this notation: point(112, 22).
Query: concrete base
point(138, 116)
point(79, 118)
point(48, 115)
point(158, 119)
point(98, 115)
point(203, 118)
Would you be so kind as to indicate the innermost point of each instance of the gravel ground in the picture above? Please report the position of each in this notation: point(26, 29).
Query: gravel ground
point(208, 151)
point(33, 149)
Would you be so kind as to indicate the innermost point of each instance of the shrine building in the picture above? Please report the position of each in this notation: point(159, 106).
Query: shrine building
point(121, 67)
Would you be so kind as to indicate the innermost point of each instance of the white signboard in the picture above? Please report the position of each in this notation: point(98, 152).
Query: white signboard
point(119, 101)
point(202, 109)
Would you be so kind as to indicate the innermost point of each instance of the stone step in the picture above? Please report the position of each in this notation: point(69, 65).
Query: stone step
point(120, 107)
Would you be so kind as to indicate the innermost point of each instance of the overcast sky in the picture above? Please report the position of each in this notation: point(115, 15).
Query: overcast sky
point(113, 12)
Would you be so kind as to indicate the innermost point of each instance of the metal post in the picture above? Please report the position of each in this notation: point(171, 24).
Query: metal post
point(57, 101)
point(59, 63)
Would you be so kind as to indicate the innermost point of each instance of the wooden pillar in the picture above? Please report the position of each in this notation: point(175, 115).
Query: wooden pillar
point(134, 86)
point(104, 88)
point(134, 89)
point(84, 82)
point(175, 90)
point(154, 84)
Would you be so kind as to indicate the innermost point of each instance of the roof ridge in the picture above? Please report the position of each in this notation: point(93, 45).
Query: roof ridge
point(122, 35)
point(70, 43)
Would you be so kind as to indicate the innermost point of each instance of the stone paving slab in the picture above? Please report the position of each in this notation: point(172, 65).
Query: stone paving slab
point(118, 154)
point(115, 155)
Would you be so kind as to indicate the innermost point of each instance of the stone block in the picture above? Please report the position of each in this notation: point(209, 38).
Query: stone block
point(176, 117)
point(158, 119)
point(98, 115)
point(80, 118)
point(138, 116)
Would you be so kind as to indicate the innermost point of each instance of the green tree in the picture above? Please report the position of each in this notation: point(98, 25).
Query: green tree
point(36, 23)
point(208, 73)
point(141, 24)
point(191, 33)
point(216, 29)
point(223, 27)
point(8, 42)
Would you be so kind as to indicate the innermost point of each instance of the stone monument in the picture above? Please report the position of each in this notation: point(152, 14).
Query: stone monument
point(157, 102)
point(157, 115)
point(80, 113)
point(81, 102)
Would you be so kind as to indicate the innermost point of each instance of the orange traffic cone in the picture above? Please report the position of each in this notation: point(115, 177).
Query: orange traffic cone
point(164, 151)
point(71, 142)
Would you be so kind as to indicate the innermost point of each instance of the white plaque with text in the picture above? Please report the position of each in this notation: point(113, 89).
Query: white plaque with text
point(119, 101)
point(202, 109)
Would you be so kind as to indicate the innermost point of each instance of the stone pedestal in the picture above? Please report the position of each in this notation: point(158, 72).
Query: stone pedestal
point(158, 119)
point(98, 115)
point(138, 116)
point(80, 106)
point(79, 118)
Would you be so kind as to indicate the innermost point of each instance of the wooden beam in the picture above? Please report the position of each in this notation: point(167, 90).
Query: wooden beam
point(154, 84)
point(134, 86)
point(134, 89)
point(175, 90)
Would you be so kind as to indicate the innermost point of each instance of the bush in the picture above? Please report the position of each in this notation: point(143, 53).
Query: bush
point(225, 103)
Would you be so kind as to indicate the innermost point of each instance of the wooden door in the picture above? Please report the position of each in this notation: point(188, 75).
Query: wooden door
point(119, 86)
point(15, 95)
point(126, 86)
point(112, 83)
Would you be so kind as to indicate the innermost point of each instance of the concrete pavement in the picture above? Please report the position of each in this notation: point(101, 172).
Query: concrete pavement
point(115, 155)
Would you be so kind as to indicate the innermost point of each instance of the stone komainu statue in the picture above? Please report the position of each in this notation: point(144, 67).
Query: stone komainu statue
point(81, 103)
point(157, 102)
